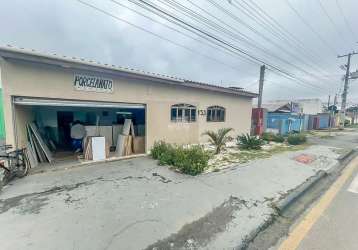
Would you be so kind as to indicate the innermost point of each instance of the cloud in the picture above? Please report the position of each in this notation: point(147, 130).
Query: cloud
point(70, 28)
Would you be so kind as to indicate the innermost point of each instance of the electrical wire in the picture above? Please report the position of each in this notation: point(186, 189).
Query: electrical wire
point(227, 44)
point(334, 25)
point(256, 18)
point(349, 27)
point(310, 27)
point(286, 75)
point(192, 14)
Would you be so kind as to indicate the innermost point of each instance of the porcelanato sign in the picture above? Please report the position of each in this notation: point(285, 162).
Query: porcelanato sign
point(92, 83)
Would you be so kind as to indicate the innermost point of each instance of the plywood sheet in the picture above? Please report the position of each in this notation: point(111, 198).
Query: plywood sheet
point(105, 131)
point(121, 141)
point(139, 145)
point(127, 126)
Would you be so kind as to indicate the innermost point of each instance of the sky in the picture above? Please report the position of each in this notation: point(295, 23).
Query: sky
point(299, 37)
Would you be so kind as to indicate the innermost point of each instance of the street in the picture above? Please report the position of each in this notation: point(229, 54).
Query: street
point(135, 204)
point(331, 223)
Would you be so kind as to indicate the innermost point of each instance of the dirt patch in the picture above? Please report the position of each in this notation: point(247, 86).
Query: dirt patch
point(305, 158)
point(200, 232)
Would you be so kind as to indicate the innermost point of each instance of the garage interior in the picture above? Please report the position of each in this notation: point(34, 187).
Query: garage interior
point(54, 120)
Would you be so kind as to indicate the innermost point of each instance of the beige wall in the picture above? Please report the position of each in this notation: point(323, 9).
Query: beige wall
point(35, 80)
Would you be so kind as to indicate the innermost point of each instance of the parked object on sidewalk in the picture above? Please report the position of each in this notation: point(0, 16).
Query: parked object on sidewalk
point(12, 164)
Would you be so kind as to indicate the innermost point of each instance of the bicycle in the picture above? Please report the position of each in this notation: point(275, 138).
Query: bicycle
point(13, 163)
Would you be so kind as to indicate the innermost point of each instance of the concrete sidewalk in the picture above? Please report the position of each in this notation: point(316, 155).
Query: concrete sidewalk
point(136, 204)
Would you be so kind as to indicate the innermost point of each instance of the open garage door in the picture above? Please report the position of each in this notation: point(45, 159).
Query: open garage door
point(56, 119)
point(29, 101)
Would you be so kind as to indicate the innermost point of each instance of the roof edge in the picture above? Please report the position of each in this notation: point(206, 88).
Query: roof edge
point(81, 63)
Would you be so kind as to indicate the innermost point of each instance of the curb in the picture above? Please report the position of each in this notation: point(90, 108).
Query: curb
point(302, 189)
point(286, 202)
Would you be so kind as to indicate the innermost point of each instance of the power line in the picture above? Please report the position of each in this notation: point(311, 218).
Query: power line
point(149, 32)
point(254, 15)
point(349, 27)
point(186, 35)
point(283, 30)
point(334, 25)
point(192, 14)
point(310, 27)
point(227, 44)
point(168, 40)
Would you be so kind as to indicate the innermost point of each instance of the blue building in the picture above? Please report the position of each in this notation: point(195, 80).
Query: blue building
point(285, 117)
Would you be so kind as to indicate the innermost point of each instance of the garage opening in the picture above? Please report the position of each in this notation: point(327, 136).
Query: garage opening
point(59, 131)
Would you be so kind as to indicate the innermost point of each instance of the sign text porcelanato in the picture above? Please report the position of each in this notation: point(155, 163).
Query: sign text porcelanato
point(92, 83)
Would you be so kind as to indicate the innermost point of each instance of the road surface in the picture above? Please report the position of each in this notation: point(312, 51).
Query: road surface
point(331, 223)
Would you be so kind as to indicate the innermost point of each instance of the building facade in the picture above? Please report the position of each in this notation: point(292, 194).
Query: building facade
point(54, 91)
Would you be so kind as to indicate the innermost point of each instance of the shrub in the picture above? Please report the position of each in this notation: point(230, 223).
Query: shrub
point(249, 142)
point(192, 161)
point(158, 149)
point(296, 139)
point(268, 136)
point(218, 139)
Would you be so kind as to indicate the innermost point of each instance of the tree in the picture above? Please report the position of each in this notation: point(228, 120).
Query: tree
point(218, 139)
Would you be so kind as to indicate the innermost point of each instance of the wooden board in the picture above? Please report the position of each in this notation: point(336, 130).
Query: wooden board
point(105, 131)
point(120, 145)
point(41, 142)
point(139, 145)
point(128, 149)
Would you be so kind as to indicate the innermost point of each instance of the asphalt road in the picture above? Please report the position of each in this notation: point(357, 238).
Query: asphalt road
point(337, 226)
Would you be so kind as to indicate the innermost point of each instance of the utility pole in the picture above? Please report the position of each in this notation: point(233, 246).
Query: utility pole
point(345, 89)
point(330, 116)
point(335, 100)
point(261, 85)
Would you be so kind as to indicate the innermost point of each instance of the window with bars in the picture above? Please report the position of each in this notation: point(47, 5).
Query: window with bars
point(183, 113)
point(215, 114)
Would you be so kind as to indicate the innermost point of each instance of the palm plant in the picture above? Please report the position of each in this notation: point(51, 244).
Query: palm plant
point(249, 142)
point(218, 139)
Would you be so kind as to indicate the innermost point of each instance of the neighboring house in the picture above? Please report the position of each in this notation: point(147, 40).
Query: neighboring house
point(305, 106)
point(310, 106)
point(283, 116)
point(55, 91)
